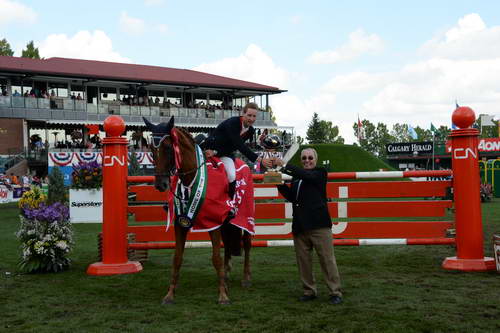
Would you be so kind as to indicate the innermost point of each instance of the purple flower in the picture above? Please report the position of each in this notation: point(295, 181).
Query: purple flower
point(55, 212)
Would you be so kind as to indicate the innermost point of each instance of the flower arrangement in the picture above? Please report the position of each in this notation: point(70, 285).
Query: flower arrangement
point(46, 236)
point(87, 175)
point(32, 198)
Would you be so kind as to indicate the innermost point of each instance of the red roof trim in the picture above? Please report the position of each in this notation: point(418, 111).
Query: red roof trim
point(127, 72)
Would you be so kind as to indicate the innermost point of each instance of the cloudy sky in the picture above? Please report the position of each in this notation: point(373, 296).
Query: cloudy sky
point(388, 61)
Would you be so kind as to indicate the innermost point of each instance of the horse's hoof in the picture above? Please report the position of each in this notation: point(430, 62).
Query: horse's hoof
point(225, 302)
point(246, 283)
point(167, 301)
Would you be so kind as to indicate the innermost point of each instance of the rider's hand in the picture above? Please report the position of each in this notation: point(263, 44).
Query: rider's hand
point(267, 162)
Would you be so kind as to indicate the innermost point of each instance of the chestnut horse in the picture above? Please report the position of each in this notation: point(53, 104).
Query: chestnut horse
point(174, 154)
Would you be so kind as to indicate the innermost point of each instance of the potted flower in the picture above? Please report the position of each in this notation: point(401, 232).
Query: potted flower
point(85, 194)
point(45, 233)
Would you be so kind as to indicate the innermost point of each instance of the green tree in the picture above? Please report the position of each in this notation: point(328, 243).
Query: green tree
point(134, 168)
point(57, 190)
point(374, 137)
point(322, 131)
point(31, 51)
point(367, 140)
point(382, 138)
point(331, 133)
point(315, 132)
point(5, 49)
point(423, 134)
point(400, 133)
point(441, 133)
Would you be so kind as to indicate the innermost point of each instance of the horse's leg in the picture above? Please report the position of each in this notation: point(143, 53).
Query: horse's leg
point(215, 237)
point(247, 245)
point(180, 242)
point(227, 263)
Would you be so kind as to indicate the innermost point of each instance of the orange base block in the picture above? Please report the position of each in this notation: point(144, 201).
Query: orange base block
point(99, 268)
point(470, 265)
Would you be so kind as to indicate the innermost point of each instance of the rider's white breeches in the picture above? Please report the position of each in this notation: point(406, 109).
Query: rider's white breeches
point(230, 169)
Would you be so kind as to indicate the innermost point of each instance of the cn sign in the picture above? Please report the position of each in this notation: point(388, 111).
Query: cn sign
point(485, 145)
point(464, 153)
point(112, 160)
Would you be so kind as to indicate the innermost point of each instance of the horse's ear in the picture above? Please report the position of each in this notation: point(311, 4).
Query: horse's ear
point(149, 124)
point(170, 124)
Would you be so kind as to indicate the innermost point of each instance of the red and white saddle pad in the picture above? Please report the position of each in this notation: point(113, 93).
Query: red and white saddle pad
point(216, 206)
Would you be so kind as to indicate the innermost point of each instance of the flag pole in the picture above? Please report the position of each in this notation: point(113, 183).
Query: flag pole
point(433, 143)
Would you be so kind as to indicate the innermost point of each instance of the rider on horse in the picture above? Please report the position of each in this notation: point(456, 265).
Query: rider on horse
point(229, 136)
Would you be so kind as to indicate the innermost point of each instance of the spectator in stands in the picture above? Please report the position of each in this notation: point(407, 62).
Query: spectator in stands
point(13, 179)
point(73, 97)
point(16, 93)
point(25, 180)
point(157, 100)
point(78, 97)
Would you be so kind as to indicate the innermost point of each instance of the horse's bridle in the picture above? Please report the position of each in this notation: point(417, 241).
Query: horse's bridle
point(173, 171)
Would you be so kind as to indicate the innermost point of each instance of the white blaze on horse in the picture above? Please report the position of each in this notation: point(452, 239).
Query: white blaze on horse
point(199, 201)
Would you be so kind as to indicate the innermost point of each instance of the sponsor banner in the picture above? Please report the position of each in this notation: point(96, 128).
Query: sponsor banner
point(66, 160)
point(485, 145)
point(13, 193)
point(85, 206)
point(408, 148)
point(70, 158)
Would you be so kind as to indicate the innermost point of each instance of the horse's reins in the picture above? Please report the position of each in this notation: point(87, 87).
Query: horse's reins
point(174, 171)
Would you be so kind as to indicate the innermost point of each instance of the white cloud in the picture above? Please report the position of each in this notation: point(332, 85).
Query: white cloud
point(359, 43)
point(253, 65)
point(15, 12)
point(83, 45)
point(469, 39)
point(356, 81)
point(131, 25)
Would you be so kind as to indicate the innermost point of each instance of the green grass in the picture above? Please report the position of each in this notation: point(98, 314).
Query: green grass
point(386, 289)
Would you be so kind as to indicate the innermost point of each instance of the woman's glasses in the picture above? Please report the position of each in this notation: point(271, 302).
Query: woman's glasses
point(310, 158)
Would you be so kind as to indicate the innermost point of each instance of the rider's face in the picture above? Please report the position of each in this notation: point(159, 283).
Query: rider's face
point(249, 117)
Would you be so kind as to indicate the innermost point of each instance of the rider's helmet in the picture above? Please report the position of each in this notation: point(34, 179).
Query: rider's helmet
point(271, 141)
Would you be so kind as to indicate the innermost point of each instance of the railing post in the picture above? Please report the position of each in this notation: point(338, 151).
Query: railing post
point(114, 227)
point(466, 182)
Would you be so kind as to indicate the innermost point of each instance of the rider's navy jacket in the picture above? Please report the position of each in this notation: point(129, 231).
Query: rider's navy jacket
point(226, 139)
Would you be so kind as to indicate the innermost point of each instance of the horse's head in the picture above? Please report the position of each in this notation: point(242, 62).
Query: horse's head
point(163, 152)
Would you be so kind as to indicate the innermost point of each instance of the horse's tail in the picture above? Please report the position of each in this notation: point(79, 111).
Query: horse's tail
point(231, 236)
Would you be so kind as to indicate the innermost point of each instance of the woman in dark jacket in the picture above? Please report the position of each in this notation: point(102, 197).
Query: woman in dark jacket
point(311, 225)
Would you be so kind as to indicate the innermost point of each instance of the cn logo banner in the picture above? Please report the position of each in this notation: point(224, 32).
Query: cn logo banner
point(485, 145)
point(464, 153)
point(112, 160)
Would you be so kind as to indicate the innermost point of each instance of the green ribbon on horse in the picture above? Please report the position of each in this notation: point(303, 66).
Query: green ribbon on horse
point(188, 203)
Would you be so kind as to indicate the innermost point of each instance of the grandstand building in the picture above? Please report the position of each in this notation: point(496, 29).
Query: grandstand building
point(60, 103)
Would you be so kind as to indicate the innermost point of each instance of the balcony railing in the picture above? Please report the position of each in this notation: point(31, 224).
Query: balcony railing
point(67, 104)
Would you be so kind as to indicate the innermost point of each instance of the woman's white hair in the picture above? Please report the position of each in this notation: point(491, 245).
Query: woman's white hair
point(312, 150)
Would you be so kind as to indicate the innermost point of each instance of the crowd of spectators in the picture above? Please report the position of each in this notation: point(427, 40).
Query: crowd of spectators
point(25, 180)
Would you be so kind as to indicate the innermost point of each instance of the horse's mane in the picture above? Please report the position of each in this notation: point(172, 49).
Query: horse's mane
point(187, 134)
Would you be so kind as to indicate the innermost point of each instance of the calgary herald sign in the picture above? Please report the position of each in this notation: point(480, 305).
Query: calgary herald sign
point(408, 148)
point(485, 145)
